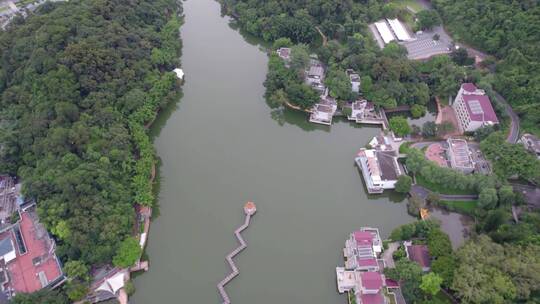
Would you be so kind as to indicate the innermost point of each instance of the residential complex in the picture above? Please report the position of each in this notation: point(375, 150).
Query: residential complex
point(379, 165)
point(28, 261)
point(473, 108)
point(362, 277)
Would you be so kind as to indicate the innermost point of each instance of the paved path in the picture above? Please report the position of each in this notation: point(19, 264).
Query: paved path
point(423, 193)
point(513, 135)
point(230, 256)
point(388, 254)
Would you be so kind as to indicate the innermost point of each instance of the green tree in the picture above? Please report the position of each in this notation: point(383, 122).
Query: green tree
point(427, 19)
point(128, 253)
point(429, 129)
point(431, 283)
point(418, 111)
point(299, 56)
point(339, 85)
point(400, 126)
point(403, 184)
point(479, 277)
point(438, 243)
point(487, 198)
point(302, 95)
point(445, 266)
point(43, 296)
point(282, 43)
point(76, 270)
point(506, 195)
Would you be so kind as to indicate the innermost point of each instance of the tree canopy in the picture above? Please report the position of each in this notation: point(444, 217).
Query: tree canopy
point(78, 82)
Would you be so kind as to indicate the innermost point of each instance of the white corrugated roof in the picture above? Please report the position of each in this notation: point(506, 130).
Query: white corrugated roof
point(385, 32)
point(399, 29)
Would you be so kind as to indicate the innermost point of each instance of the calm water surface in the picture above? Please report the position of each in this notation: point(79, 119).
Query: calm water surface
point(221, 146)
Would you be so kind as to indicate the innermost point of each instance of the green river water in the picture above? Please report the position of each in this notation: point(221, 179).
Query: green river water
point(221, 146)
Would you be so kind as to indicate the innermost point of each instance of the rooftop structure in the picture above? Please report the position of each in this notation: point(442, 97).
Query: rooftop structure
point(355, 80)
point(379, 168)
point(315, 76)
point(362, 249)
point(399, 30)
point(473, 108)
point(385, 32)
point(459, 155)
point(418, 254)
point(531, 143)
point(284, 53)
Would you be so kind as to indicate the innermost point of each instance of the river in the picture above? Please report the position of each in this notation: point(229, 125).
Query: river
point(222, 146)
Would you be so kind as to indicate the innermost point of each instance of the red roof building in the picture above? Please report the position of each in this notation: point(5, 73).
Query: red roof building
point(473, 108)
point(420, 255)
point(36, 265)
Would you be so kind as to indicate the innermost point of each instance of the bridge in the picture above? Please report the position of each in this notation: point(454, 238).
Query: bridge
point(249, 210)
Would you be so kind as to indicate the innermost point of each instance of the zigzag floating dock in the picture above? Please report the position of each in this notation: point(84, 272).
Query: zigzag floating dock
point(249, 210)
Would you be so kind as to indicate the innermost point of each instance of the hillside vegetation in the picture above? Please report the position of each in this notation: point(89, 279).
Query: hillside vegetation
point(78, 81)
point(509, 30)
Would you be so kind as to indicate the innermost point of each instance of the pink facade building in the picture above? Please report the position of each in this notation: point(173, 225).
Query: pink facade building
point(473, 108)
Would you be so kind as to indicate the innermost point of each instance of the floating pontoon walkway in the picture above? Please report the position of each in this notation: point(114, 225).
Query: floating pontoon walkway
point(249, 210)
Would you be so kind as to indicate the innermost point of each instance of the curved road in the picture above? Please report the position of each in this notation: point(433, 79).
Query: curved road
point(513, 135)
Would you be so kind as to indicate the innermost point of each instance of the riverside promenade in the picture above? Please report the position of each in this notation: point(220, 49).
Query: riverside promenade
point(249, 210)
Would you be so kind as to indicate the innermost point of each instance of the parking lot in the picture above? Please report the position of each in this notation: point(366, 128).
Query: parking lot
point(424, 46)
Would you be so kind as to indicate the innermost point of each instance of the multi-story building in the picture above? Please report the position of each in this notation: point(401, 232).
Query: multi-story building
point(473, 108)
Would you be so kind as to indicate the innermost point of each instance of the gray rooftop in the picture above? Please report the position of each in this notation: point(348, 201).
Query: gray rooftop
point(6, 246)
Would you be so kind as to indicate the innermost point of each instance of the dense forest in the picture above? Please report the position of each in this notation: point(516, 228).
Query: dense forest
point(509, 30)
point(78, 82)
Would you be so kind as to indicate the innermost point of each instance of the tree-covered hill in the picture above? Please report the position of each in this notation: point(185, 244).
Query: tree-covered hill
point(78, 81)
point(510, 30)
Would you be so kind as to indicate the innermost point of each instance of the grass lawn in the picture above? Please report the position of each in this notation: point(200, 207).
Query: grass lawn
point(465, 207)
point(415, 6)
point(441, 189)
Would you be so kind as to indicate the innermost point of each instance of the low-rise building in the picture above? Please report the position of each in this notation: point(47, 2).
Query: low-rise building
point(531, 143)
point(473, 108)
point(323, 112)
point(380, 169)
point(418, 254)
point(315, 76)
point(459, 155)
point(284, 53)
point(355, 80)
